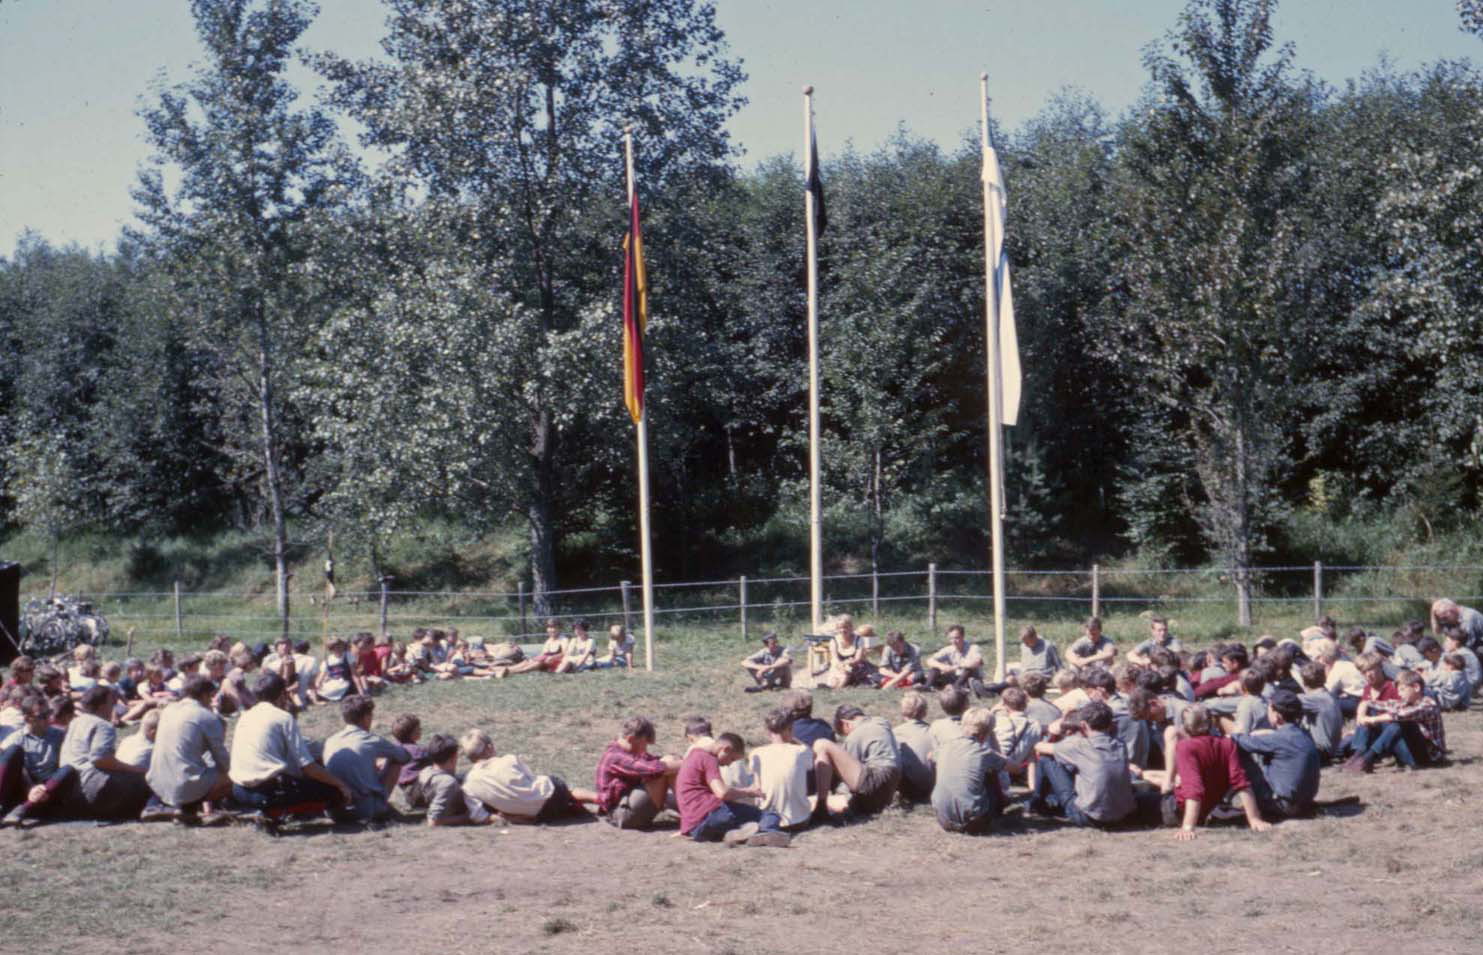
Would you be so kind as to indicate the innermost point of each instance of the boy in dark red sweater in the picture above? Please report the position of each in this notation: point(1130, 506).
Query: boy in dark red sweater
point(1206, 769)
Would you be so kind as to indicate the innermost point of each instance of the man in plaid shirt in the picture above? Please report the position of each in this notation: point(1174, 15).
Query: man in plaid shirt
point(633, 785)
point(1410, 729)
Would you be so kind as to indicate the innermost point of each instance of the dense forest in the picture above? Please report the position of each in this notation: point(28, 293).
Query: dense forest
point(1249, 308)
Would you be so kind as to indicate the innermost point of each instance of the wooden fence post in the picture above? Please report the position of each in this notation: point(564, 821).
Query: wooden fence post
point(1096, 590)
point(1317, 590)
point(742, 595)
point(875, 591)
point(932, 598)
point(385, 584)
point(520, 590)
point(627, 607)
point(179, 623)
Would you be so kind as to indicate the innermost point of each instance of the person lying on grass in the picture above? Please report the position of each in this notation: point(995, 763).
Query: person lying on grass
point(868, 762)
point(507, 786)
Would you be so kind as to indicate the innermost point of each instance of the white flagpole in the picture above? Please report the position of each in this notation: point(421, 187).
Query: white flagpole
point(815, 521)
point(991, 334)
point(645, 557)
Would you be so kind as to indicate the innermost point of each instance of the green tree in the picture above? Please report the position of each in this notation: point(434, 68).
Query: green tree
point(1212, 263)
point(510, 113)
point(252, 169)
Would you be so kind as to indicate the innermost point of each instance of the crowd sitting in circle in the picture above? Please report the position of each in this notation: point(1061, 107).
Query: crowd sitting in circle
point(1166, 737)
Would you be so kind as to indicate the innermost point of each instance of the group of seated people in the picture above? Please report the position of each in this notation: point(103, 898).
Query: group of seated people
point(1165, 736)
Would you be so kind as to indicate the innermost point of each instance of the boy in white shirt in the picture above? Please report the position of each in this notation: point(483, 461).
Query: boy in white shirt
point(781, 769)
point(507, 786)
point(137, 749)
point(580, 651)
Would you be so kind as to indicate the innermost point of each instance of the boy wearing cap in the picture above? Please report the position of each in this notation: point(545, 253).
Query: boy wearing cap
point(1282, 763)
point(771, 667)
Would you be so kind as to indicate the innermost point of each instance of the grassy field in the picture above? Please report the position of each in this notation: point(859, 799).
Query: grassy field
point(1401, 864)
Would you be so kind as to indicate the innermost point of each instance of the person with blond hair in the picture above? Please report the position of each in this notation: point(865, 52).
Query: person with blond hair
point(505, 785)
point(847, 663)
point(1448, 614)
point(966, 795)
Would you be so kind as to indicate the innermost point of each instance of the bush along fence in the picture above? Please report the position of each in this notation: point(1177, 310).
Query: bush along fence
point(909, 599)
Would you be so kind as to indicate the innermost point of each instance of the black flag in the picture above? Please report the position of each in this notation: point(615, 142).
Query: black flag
point(816, 186)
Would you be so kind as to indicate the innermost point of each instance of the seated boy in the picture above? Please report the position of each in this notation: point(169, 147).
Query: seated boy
point(270, 762)
point(1037, 655)
point(1322, 718)
point(1249, 710)
point(783, 770)
point(1037, 707)
point(1084, 776)
point(915, 742)
point(1453, 642)
point(1092, 647)
point(1159, 638)
point(868, 763)
point(633, 784)
point(620, 649)
point(553, 651)
point(138, 748)
point(1409, 728)
point(771, 667)
point(368, 764)
point(107, 787)
point(966, 795)
point(190, 760)
point(1449, 683)
point(407, 731)
point(953, 701)
point(901, 663)
point(709, 809)
point(447, 803)
point(580, 652)
point(1282, 763)
point(1015, 735)
point(1206, 769)
point(1073, 695)
point(235, 695)
point(807, 729)
point(959, 663)
point(33, 779)
point(507, 786)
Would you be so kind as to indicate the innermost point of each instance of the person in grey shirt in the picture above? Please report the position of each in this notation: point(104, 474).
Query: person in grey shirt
point(107, 787)
point(868, 763)
point(966, 795)
point(901, 663)
point(1322, 718)
point(189, 764)
point(1101, 686)
point(33, 780)
point(1158, 638)
point(1282, 763)
point(1039, 709)
point(915, 744)
point(1084, 777)
point(351, 755)
point(1447, 613)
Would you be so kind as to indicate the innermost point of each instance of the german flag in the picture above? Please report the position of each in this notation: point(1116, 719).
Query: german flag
point(635, 313)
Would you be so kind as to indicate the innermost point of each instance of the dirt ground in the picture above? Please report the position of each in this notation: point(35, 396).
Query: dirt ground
point(1404, 866)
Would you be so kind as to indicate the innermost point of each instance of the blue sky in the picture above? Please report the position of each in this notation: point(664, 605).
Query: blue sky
point(74, 72)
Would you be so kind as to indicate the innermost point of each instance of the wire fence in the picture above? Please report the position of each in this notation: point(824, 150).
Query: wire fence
point(915, 597)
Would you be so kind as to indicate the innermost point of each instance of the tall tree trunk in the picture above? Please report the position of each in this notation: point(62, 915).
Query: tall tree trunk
point(1241, 532)
point(55, 539)
point(270, 467)
point(538, 513)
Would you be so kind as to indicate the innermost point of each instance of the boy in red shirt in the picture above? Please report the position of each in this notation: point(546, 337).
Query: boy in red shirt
point(632, 783)
point(709, 809)
point(1206, 769)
